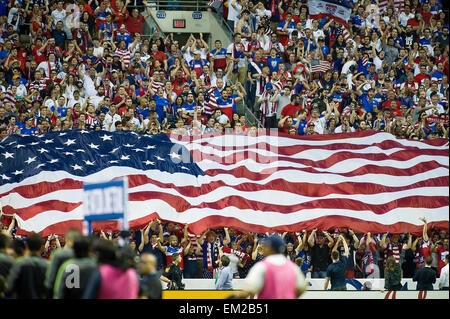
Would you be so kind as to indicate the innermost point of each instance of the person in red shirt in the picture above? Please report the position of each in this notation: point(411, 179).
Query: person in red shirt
point(158, 55)
point(292, 108)
point(135, 22)
point(422, 75)
point(120, 12)
point(416, 21)
point(441, 248)
point(426, 14)
point(119, 100)
point(392, 103)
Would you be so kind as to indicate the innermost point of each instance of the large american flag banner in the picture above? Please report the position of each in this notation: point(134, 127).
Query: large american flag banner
point(369, 181)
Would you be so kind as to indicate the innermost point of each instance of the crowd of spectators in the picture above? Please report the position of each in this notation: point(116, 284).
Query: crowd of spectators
point(86, 64)
point(170, 253)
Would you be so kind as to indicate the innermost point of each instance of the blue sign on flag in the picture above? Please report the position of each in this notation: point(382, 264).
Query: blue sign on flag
point(106, 201)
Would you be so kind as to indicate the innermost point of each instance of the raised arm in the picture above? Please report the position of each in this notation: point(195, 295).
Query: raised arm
point(330, 239)
point(200, 240)
point(383, 241)
point(355, 239)
point(185, 239)
point(311, 238)
point(346, 250)
point(227, 239)
point(425, 229)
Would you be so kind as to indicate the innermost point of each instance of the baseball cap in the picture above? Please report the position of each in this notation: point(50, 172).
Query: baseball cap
point(275, 242)
point(269, 86)
point(311, 124)
point(16, 77)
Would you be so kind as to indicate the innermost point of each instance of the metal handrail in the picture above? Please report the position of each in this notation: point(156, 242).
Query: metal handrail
point(188, 5)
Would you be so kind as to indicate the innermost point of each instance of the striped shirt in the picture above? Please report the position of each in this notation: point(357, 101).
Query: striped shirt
point(125, 56)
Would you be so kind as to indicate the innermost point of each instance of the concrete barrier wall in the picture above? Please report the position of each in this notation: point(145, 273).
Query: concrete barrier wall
point(207, 24)
point(313, 284)
point(209, 294)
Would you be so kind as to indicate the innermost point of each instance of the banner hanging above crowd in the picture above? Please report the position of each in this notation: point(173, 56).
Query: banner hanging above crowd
point(338, 10)
point(367, 181)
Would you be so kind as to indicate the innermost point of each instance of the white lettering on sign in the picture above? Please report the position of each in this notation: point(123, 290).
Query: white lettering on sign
point(104, 200)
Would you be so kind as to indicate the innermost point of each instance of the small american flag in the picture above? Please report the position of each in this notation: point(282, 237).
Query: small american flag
point(368, 181)
point(211, 104)
point(320, 65)
point(384, 4)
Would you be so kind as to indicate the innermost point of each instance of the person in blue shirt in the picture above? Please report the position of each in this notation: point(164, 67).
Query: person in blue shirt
point(3, 7)
point(107, 28)
point(300, 122)
point(225, 274)
point(190, 104)
point(123, 35)
point(368, 100)
point(321, 44)
point(273, 61)
point(29, 129)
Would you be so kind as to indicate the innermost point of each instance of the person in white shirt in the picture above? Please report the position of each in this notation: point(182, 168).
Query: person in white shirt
point(344, 127)
point(110, 118)
point(234, 7)
point(319, 122)
point(44, 65)
point(443, 279)
point(98, 49)
point(434, 108)
point(76, 99)
point(88, 80)
point(59, 14)
point(405, 16)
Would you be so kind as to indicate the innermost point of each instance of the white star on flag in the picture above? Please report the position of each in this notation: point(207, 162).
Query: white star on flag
point(175, 155)
point(69, 142)
point(8, 155)
point(106, 138)
point(147, 162)
point(92, 145)
point(17, 172)
point(76, 167)
point(30, 160)
point(42, 150)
